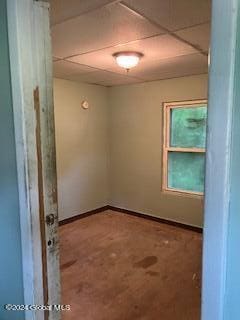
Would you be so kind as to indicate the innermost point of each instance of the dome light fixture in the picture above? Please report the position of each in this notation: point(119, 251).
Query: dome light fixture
point(127, 59)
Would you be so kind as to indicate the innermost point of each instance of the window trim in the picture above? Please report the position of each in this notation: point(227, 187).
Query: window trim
point(167, 107)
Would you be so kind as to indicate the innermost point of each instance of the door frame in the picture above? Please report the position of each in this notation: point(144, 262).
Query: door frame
point(23, 52)
point(32, 95)
point(221, 104)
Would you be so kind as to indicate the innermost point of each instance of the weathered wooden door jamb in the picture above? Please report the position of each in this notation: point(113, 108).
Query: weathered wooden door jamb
point(31, 73)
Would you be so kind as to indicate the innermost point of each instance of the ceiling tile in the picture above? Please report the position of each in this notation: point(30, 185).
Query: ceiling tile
point(105, 27)
point(198, 35)
point(173, 14)
point(155, 48)
point(62, 69)
point(62, 10)
point(104, 78)
point(93, 30)
point(171, 68)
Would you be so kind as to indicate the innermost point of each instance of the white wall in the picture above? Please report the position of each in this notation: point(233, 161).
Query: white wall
point(136, 148)
point(82, 147)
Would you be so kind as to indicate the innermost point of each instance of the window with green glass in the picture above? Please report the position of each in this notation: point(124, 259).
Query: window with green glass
point(184, 146)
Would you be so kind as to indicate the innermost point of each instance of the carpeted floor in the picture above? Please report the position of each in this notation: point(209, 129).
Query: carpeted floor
point(120, 267)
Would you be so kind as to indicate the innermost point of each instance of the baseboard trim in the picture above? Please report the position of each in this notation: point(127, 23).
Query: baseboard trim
point(83, 215)
point(156, 219)
point(133, 213)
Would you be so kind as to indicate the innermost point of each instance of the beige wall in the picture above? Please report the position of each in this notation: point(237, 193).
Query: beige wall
point(112, 152)
point(82, 147)
point(136, 148)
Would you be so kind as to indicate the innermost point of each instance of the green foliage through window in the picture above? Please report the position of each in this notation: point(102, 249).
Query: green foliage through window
point(185, 146)
point(186, 171)
point(188, 127)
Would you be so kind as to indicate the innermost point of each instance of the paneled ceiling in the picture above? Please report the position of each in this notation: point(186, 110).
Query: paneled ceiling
point(173, 35)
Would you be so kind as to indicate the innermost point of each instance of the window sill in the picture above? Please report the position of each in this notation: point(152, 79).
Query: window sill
point(180, 193)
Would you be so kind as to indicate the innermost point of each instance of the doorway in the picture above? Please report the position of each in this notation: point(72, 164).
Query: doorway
point(216, 202)
point(113, 156)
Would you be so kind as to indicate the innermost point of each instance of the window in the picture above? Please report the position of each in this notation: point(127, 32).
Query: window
point(184, 146)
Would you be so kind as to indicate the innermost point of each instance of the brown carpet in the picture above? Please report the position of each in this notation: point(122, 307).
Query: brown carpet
point(120, 267)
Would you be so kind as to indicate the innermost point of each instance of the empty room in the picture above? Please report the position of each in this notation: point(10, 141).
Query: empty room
point(130, 108)
point(119, 166)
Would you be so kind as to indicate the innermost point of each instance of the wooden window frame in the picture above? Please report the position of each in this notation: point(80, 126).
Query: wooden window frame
point(167, 107)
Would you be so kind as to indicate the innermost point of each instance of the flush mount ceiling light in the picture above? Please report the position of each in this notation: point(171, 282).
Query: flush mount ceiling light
point(127, 59)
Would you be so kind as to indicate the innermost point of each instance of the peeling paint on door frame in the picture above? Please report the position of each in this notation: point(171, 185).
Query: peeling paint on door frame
point(41, 197)
point(31, 73)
